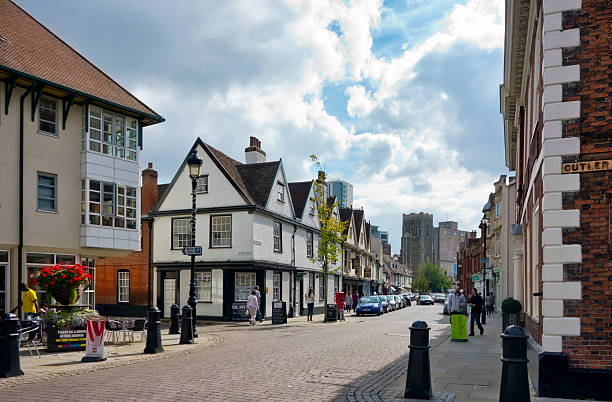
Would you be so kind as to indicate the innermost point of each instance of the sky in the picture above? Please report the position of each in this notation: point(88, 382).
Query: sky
point(400, 98)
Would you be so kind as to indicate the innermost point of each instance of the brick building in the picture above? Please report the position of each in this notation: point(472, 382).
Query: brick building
point(122, 285)
point(557, 122)
point(469, 267)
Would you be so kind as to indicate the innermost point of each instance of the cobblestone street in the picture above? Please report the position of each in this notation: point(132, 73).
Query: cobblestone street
point(296, 362)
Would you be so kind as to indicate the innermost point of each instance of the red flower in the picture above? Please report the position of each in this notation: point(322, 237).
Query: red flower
point(35, 281)
point(53, 282)
point(46, 285)
point(63, 276)
point(70, 281)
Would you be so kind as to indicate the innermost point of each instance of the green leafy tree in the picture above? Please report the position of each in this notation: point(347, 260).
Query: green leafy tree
point(331, 232)
point(420, 284)
point(436, 278)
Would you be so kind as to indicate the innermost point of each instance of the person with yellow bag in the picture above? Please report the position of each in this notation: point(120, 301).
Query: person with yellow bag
point(458, 308)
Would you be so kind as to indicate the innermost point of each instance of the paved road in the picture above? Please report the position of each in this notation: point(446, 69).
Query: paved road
point(276, 363)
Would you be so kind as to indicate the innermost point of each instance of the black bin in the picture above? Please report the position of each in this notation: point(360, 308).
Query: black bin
point(332, 312)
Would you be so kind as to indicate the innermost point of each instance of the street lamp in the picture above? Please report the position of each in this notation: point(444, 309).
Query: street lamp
point(485, 287)
point(194, 164)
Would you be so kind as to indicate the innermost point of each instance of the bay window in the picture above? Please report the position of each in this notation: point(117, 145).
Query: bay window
point(112, 134)
point(108, 204)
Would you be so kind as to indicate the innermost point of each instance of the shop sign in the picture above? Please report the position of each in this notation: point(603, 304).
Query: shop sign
point(497, 269)
point(475, 278)
point(587, 166)
point(239, 312)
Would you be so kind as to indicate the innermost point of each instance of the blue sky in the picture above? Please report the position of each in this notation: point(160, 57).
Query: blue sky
point(399, 98)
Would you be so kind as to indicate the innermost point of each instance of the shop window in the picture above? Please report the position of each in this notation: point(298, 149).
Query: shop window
point(244, 282)
point(321, 287)
point(203, 286)
point(276, 287)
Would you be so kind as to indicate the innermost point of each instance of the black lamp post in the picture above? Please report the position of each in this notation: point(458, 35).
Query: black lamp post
point(194, 164)
point(485, 284)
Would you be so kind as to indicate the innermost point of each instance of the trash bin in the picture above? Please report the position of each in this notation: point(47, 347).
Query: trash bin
point(459, 327)
point(94, 350)
point(332, 312)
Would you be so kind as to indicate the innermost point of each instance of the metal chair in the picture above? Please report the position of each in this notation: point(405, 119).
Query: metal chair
point(112, 330)
point(29, 333)
point(138, 325)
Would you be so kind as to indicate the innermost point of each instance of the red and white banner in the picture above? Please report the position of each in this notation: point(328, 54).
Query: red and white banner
point(94, 346)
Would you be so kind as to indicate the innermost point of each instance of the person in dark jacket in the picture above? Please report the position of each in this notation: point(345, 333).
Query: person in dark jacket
point(476, 303)
point(355, 300)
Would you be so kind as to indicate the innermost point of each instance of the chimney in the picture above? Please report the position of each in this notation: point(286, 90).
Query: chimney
point(149, 192)
point(253, 153)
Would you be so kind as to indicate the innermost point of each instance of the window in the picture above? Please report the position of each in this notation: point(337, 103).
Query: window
point(309, 245)
point(202, 184)
point(123, 286)
point(278, 239)
point(47, 116)
point(244, 282)
point(126, 207)
point(321, 287)
point(112, 134)
point(181, 232)
point(109, 204)
point(89, 293)
point(280, 187)
point(203, 286)
point(47, 192)
point(221, 231)
point(276, 287)
point(36, 261)
point(497, 210)
point(497, 248)
point(4, 258)
point(311, 206)
point(347, 260)
point(336, 283)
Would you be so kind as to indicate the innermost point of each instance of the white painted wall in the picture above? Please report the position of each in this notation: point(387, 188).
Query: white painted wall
point(263, 239)
point(284, 208)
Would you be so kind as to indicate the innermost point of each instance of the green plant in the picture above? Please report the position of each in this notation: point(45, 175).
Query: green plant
point(75, 317)
point(511, 306)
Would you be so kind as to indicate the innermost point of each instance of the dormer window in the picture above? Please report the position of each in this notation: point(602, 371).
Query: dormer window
point(280, 188)
point(311, 206)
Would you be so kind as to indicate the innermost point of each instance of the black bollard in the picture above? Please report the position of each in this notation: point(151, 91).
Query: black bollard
point(9, 347)
point(175, 313)
point(154, 342)
point(514, 381)
point(186, 326)
point(418, 379)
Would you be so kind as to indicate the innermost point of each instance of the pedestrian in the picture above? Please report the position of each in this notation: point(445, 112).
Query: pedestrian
point(29, 301)
point(355, 300)
point(458, 312)
point(492, 302)
point(488, 303)
point(349, 302)
point(341, 309)
point(310, 301)
point(252, 306)
point(259, 316)
point(476, 303)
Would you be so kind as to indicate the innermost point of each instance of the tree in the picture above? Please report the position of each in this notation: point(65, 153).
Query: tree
point(420, 283)
point(331, 232)
point(436, 278)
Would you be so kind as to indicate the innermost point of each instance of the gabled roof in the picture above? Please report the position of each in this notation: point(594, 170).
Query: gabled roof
point(358, 220)
point(31, 51)
point(258, 179)
point(299, 195)
point(346, 214)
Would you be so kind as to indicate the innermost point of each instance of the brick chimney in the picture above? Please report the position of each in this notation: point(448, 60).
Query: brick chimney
point(254, 153)
point(149, 191)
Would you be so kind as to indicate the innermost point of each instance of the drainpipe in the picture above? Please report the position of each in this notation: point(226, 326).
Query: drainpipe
point(149, 220)
point(20, 247)
point(292, 274)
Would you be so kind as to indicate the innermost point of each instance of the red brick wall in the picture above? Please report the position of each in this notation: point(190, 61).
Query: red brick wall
point(137, 262)
point(593, 348)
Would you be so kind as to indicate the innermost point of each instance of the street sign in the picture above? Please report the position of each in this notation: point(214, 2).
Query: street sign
point(484, 260)
point(192, 250)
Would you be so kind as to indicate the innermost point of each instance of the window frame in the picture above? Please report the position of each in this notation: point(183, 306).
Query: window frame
point(202, 176)
point(55, 188)
point(280, 236)
point(280, 191)
point(120, 286)
point(498, 210)
point(321, 287)
point(172, 243)
point(245, 286)
point(311, 206)
point(197, 287)
point(210, 234)
point(277, 291)
point(309, 244)
point(55, 133)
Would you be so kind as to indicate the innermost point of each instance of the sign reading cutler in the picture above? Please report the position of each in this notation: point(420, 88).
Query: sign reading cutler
point(589, 166)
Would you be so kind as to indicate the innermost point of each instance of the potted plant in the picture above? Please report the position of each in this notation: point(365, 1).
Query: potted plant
point(511, 312)
point(64, 282)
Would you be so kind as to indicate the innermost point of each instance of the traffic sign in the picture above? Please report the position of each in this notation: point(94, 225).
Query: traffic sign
point(192, 250)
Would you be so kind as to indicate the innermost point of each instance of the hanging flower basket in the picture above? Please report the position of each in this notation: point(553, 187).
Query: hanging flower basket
point(64, 282)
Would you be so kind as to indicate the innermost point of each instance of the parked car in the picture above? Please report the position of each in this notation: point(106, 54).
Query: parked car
point(406, 297)
point(384, 302)
point(439, 297)
point(392, 303)
point(399, 300)
point(425, 299)
point(369, 305)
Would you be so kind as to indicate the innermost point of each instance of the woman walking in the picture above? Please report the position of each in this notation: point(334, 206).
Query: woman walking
point(252, 306)
point(348, 301)
point(310, 301)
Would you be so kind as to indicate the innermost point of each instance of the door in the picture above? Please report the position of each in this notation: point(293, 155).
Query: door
point(169, 295)
point(301, 282)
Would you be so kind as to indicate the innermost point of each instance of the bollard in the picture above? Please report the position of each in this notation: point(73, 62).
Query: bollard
point(514, 381)
point(154, 342)
point(186, 326)
point(175, 313)
point(418, 378)
point(9, 347)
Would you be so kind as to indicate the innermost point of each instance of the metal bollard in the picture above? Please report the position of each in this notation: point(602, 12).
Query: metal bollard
point(154, 342)
point(186, 326)
point(9, 347)
point(514, 381)
point(418, 378)
point(175, 313)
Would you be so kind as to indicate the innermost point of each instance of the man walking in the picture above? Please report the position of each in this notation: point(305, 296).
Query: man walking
point(29, 302)
point(355, 300)
point(259, 316)
point(476, 303)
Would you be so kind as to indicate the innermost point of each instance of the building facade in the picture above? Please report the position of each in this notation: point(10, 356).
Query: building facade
point(69, 158)
point(343, 191)
point(417, 244)
point(447, 238)
point(557, 135)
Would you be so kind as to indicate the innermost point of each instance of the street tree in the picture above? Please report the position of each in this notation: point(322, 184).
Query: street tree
point(331, 231)
point(420, 284)
point(436, 278)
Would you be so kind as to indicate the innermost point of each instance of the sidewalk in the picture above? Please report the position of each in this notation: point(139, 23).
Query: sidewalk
point(463, 371)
